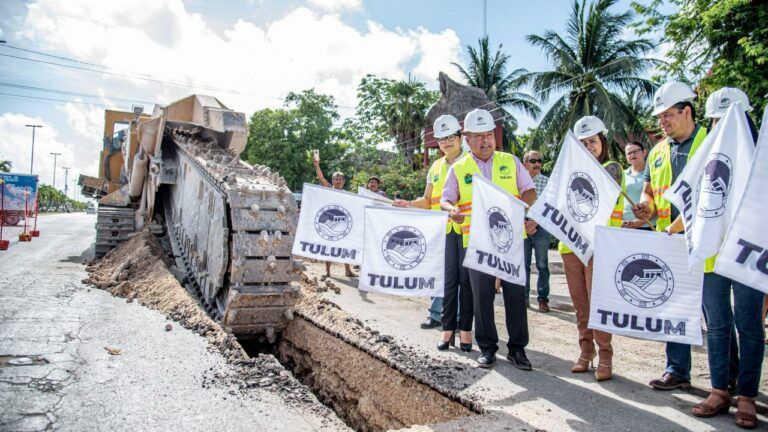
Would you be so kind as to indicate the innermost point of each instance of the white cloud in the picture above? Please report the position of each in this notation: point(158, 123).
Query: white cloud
point(335, 5)
point(301, 50)
point(16, 145)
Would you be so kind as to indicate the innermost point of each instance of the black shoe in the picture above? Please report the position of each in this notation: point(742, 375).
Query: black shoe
point(670, 382)
point(466, 347)
point(520, 360)
point(443, 345)
point(486, 360)
point(430, 323)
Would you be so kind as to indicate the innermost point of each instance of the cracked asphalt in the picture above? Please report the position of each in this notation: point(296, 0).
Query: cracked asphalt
point(56, 372)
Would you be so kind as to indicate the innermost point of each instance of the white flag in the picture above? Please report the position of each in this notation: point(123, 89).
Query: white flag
point(707, 191)
point(641, 287)
point(404, 252)
point(331, 225)
point(496, 240)
point(580, 195)
point(744, 253)
point(373, 195)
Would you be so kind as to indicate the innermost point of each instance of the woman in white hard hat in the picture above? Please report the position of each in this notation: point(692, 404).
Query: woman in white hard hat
point(457, 299)
point(746, 314)
point(591, 131)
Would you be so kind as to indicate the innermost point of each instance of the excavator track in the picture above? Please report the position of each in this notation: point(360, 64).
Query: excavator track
point(232, 227)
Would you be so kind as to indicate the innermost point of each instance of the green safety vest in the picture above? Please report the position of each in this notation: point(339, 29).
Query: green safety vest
point(504, 175)
point(616, 216)
point(437, 173)
point(660, 168)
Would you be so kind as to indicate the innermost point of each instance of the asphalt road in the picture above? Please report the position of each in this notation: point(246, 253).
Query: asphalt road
point(55, 370)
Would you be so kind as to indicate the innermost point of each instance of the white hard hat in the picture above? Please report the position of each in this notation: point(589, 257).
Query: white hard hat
point(479, 121)
point(446, 125)
point(719, 101)
point(588, 126)
point(669, 94)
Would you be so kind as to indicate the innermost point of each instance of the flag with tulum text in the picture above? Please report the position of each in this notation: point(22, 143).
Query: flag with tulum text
point(404, 252)
point(642, 287)
point(744, 252)
point(708, 189)
point(496, 232)
point(580, 195)
point(331, 225)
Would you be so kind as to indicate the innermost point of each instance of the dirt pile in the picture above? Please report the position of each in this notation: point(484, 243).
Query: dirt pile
point(138, 269)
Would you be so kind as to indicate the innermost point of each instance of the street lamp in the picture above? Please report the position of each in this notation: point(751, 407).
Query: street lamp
point(66, 175)
point(32, 160)
point(55, 155)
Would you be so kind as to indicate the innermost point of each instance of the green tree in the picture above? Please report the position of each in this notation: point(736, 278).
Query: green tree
point(592, 62)
point(5, 166)
point(395, 110)
point(720, 42)
point(283, 138)
point(489, 72)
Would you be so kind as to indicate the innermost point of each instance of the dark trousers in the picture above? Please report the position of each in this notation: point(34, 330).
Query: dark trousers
point(458, 292)
point(515, 312)
point(537, 244)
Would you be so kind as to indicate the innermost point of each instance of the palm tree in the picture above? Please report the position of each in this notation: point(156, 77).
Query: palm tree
point(591, 63)
point(489, 73)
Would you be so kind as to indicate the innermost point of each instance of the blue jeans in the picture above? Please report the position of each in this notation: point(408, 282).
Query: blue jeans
point(436, 308)
point(747, 315)
point(538, 243)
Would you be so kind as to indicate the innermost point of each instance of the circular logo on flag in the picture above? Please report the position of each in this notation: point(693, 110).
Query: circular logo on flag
point(500, 229)
point(582, 196)
point(714, 186)
point(644, 280)
point(333, 222)
point(404, 247)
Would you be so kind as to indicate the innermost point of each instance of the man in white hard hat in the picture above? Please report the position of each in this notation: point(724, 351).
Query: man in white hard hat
point(672, 106)
point(719, 101)
point(454, 309)
point(507, 172)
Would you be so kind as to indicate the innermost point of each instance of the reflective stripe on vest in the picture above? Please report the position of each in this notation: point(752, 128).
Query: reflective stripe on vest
point(661, 179)
point(437, 173)
point(503, 174)
point(617, 215)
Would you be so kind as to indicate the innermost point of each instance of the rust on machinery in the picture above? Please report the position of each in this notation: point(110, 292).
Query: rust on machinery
point(231, 224)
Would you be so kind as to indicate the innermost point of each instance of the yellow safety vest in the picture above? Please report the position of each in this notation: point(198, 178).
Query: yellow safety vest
point(504, 175)
point(660, 167)
point(616, 216)
point(437, 173)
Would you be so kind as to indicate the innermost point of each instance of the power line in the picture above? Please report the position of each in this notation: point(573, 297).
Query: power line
point(59, 100)
point(70, 93)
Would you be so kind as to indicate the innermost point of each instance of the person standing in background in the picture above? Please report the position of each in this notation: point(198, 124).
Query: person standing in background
point(634, 177)
point(538, 239)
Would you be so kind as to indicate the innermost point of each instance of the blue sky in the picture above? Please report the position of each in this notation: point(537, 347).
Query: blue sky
point(260, 49)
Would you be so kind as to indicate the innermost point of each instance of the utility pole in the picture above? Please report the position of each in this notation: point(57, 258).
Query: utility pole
point(32, 160)
point(66, 175)
point(55, 155)
point(485, 18)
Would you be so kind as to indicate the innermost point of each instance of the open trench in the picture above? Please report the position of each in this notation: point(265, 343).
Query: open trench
point(366, 392)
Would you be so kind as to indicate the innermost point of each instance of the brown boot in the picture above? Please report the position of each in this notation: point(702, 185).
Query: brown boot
point(583, 364)
point(603, 372)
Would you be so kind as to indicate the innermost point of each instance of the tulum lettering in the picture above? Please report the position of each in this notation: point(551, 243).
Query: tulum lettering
point(493, 261)
point(687, 210)
point(746, 250)
point(573, 236)
point(394, 282)
point(322, 250)
point(634, 322)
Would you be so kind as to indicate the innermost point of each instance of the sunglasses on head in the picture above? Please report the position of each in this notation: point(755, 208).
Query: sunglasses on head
point(533, 161)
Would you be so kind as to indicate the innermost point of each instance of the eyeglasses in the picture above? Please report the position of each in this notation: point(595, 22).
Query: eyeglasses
point(456, 135)
point(633, 152)
point(534, 161)
point(668, 115)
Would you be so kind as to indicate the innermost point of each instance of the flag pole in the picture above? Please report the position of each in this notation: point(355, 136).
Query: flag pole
point(633, 204)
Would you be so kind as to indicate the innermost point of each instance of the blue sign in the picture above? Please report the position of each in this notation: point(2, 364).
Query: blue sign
point(20, 191)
